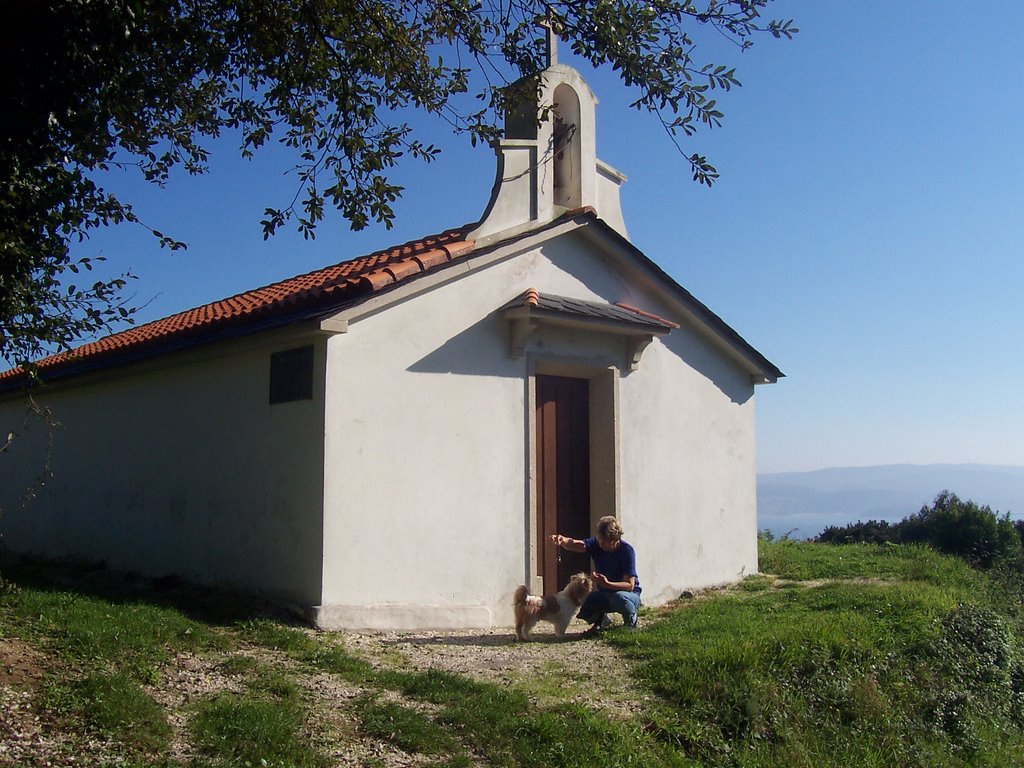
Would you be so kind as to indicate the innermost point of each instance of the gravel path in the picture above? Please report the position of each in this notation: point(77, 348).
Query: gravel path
point(546, 669)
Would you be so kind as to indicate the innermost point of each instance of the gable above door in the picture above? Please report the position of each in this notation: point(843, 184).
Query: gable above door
point(532, 311)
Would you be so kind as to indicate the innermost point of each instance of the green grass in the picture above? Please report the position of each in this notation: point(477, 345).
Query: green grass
point(333, 658)
point(93, 628)
point(273, 683)
point(510, 731)
point(835, 657)
point(803, 560)
point(111, 705)
point(321, 653)
point(266, 726)
point(406, 728)
point(137, 635)
point(239, 666)
point(780, 676)
point(273, 634)
point(247, 730)
point(101, 650)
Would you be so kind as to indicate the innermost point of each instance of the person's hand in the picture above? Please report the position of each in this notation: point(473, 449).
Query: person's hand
point(600, 579)
point(557, 538)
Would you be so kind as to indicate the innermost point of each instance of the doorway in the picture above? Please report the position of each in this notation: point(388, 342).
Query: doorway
point(563, 475)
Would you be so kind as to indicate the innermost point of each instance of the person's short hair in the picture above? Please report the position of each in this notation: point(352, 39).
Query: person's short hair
point(608, 528)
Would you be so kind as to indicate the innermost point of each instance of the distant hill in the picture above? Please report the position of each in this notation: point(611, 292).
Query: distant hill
point(804, 503)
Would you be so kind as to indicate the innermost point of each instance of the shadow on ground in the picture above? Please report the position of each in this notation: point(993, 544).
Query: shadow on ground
point(481, 640)
point(213, 605)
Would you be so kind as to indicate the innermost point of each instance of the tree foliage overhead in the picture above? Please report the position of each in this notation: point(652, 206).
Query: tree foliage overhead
point(94, 85)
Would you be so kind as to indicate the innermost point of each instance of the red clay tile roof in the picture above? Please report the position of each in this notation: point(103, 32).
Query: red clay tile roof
point(645, 314)
point(305, 294)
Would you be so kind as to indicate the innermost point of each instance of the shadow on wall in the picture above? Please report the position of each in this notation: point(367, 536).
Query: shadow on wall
point(482, 350)
point(479, 350)
point(698, 353)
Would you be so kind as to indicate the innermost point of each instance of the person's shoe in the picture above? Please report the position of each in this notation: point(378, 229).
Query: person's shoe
point(603, 623)
point(633, 622)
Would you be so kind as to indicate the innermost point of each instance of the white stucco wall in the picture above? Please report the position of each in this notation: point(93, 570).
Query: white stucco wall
point(427, 493)
point(178, 466)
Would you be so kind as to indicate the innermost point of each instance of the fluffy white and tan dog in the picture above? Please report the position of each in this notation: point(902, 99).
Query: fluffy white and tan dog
point(558, 609)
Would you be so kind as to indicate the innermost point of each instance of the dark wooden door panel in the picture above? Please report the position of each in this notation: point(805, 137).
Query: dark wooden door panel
point(563, 474)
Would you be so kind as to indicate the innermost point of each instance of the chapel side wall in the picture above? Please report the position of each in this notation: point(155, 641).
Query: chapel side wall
point(178, 467)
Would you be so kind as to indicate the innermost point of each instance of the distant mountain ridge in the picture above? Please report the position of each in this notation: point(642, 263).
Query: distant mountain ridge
point(804, 503)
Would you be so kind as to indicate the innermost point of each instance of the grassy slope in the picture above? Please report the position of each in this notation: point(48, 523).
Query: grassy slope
point(842, 656)
point(845, 656)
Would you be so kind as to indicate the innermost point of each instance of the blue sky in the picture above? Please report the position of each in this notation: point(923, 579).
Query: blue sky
point(866, 233)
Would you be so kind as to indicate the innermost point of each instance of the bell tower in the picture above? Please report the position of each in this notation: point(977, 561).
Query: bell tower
point(547, 162)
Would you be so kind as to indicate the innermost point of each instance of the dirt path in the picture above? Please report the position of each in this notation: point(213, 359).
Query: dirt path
point(547, 670)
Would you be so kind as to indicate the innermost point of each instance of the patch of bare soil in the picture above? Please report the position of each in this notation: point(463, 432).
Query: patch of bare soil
point(21, 665)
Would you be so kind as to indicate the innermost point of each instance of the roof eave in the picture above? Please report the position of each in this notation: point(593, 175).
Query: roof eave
point(119, 358)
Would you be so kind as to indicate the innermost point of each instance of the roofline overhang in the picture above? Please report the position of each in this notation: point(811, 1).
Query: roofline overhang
point(335, 319)
point(132, 355)
point(586, 223)
point(478, 258)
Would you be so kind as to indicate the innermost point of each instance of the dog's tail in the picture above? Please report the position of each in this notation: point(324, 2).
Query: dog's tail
point(520, 596)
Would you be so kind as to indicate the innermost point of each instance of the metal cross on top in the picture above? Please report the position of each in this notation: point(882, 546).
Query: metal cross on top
point(551, 37)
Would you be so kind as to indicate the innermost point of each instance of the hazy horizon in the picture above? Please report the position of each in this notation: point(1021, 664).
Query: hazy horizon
point(808, 502)
point(896, 464)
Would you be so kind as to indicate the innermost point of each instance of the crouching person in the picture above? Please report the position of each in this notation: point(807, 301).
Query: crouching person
point(616, 583)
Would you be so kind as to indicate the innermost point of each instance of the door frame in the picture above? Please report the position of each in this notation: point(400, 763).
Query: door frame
point(603, 376)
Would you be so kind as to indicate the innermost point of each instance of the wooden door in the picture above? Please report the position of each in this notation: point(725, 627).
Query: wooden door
point(563, 475)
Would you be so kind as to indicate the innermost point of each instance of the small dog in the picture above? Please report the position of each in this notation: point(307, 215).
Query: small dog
point(559, 609)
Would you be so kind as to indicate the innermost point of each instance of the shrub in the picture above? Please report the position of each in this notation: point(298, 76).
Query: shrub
point(981, 675)
point(962, 528)
point(871, 532)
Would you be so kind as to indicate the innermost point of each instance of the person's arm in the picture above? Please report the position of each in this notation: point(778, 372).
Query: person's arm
point(565, 542)
point(628, 585)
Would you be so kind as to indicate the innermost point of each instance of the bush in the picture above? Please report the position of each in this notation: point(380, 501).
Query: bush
point(871, 532)
point(981, 675)
point(962, 528)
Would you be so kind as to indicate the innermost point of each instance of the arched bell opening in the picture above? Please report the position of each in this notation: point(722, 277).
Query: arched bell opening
point(566, 147)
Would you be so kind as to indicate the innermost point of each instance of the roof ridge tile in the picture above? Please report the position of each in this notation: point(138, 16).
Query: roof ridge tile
point(644, 313)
